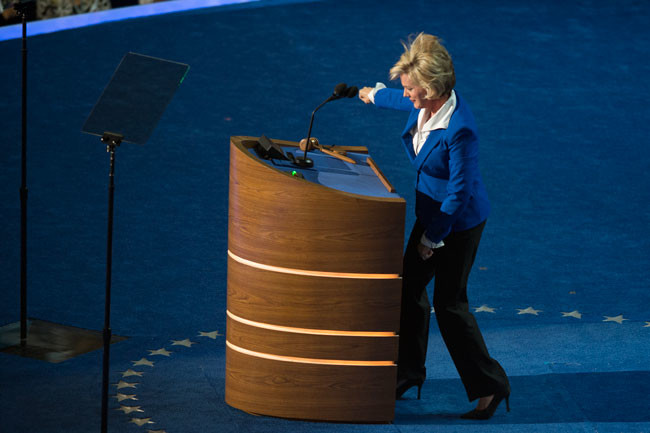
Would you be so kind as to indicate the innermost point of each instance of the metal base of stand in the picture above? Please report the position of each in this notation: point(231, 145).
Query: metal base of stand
point(303, 162)
point(51, 342)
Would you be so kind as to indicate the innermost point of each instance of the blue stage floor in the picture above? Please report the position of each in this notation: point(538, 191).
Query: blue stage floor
point(561, 284)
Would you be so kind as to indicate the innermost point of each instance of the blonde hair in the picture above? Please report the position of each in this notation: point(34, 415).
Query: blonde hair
point(428, 64)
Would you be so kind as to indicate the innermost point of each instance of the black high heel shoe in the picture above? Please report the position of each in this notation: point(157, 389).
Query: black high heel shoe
point(404, 385)
point(487, 413)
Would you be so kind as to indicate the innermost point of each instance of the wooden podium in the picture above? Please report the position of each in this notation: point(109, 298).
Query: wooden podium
point(314, 284)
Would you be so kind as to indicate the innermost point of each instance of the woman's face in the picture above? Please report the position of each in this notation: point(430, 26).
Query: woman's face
point(416, 94)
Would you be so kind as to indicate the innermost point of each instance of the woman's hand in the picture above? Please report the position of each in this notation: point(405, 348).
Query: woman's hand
point(424, 251)
point(363, 94)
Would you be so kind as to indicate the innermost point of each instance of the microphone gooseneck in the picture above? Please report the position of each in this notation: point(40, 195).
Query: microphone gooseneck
point(340, 91)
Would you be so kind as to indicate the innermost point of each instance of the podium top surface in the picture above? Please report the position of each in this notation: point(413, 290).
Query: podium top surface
point(334, 173)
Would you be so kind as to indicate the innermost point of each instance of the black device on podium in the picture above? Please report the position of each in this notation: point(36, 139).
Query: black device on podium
point(128, 111)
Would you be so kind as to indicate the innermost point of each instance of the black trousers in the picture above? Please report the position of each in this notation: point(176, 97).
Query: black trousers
point(451, 264)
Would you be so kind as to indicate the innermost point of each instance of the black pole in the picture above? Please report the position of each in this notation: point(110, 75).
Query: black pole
point(304, 161)
point(340, 91)
point(21, 10)
point(113, 141)
point(311, 123)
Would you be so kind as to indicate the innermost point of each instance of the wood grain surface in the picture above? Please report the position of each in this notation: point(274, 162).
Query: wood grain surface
point(289, 242)
point(308, 391)
point(303, 345)
point(281, 220)
point(344, 304)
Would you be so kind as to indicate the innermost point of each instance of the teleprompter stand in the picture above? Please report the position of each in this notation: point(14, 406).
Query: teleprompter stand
point(22, 10)
point(34, 338)
point(30, 337)
point(128, 111)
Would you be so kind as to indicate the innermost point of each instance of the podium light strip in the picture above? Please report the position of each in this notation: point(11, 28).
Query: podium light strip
point(308, 330)
point(310, 360)
point(312, 273)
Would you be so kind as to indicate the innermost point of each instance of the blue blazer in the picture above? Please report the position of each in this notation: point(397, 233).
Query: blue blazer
point(450, 194)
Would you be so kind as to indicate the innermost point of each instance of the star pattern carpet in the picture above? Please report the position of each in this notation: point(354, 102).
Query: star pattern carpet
point(560, 283)
point(137, 410)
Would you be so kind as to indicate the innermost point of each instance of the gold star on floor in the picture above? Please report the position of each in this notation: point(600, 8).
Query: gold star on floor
point(186, 342)
point(618, 319)
point(529, 310)
point(122, 397)
point(574, 313)
point(141, 421)
point(162, 352)
point(484, 308)
point(647, 325)
point(156, 431)
point(122, 384)
point(212, 334)
point(142, 361)
point(130, 372)
point(128, 409)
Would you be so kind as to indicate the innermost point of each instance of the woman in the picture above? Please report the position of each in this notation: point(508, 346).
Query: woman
point(451, 210)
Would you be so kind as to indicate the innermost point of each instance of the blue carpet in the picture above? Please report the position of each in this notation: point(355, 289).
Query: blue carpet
point(560, 93)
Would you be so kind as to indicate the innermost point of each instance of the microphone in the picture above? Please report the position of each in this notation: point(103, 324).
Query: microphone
point(351, 92)
point(340, 91)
